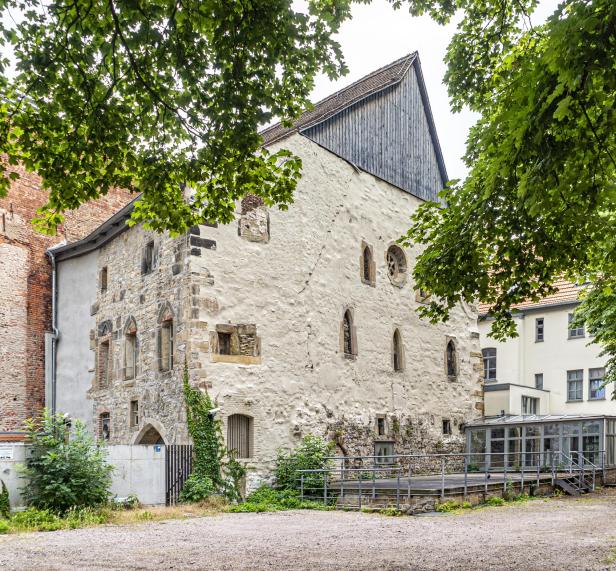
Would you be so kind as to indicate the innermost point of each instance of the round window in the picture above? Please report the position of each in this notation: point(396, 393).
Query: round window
point(396, 265)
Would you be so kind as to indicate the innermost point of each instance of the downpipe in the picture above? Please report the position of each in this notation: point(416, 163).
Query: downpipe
point(54, 330)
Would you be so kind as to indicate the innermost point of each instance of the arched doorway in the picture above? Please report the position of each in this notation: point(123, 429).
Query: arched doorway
point(149, 434)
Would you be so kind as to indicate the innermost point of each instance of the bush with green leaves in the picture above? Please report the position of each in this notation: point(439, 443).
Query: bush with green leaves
point(266, 499)
point(311, 454)
point(5, 505)
point(197, 488)
point(66, 469)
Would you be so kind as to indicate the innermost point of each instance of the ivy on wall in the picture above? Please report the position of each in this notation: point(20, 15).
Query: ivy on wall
point(215, 470)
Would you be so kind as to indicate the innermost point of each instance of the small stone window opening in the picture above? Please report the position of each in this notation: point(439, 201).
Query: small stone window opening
point(166, 345)
point(103, 279)
point(349, 343)
point(134, 413)
point(240, 435)
point(130, 354)
point(447, 427)
point(103, 364)
point(451, 360)
point(384, 453)
point(224, 343)
point(148, 258)
point(381, 428)
point(398, 352)
point(396, 265)
point(368, 266)
point(104, 426)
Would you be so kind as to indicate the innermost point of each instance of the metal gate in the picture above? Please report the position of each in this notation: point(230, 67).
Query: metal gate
point(178, 464)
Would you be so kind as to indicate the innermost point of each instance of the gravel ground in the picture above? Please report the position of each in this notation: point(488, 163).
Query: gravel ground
point(552, 534)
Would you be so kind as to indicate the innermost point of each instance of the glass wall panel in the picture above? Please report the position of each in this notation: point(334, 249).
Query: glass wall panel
point(514, 458)
point(497, 458)
point(551, 429)
point(478, 447)
point(591, 448)
point(532, 447)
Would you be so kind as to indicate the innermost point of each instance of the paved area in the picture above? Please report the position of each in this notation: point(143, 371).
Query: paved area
point(567, 533)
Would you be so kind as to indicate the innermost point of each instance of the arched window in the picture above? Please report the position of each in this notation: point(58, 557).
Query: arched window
point(368, 267)
point(104, 426)
point(489, 363)
point(398, 352)
point(452, 365)
point(130, 350)
point(348, 335)
point(239, 435)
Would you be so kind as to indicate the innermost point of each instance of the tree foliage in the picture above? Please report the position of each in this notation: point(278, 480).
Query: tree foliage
point(539, 201)
point(66, 468)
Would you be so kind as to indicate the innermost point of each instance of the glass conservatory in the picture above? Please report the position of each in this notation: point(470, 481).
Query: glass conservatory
point(532, 441)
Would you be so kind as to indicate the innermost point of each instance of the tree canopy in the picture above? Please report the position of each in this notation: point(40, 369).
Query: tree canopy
point(166, 97)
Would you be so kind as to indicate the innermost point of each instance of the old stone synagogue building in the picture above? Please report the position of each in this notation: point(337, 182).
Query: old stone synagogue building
point(296, 322)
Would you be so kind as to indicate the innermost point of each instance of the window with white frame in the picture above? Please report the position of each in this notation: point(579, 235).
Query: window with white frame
point(489, 363)
point(539, 380)
point(596, 390)
point(575, 380)
point(530, 405)
point(575, 332)
point(539, 328)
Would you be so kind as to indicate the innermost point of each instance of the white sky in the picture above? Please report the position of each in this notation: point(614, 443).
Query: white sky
point(378, 35)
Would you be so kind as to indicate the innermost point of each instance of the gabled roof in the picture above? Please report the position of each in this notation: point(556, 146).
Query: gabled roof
point(568, 293)
point(337, 102)
point(373, 83)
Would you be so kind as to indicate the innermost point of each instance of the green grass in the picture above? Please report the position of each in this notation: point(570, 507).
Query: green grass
point(266, 499)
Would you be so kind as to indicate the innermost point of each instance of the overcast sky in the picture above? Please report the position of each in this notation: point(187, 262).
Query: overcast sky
point(378, 35)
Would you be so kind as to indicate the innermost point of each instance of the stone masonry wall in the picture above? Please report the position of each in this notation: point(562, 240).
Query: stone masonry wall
point(281, 299)
point(25, 291)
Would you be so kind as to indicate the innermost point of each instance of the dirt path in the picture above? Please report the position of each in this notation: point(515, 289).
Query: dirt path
point(563, 534)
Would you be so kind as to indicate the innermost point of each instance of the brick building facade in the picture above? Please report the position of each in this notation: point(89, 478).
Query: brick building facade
point(25, 291)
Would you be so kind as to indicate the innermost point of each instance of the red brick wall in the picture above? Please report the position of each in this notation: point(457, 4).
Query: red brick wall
point(25, 291)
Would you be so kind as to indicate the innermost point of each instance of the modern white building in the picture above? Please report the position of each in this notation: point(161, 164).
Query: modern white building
point(550, 368)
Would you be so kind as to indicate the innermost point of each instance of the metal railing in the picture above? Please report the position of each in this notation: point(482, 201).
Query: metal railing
point(395, 479)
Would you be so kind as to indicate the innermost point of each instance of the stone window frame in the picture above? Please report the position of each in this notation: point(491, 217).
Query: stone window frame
point(397, 351)
point(348, 346)
point(149, 257)
point(103, 279)
point(249, 444)
point(387, 447)
point(451, 342)
point(380, 420)
point(107, 416)
point(447, 427)
point(134, 413)
point(104, 345)
point(130, 333)
point(235, 332)
point(396, 265)
point(166, 337)
point(367, 265)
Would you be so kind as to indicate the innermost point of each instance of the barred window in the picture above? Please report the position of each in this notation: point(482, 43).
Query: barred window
point(239, 435)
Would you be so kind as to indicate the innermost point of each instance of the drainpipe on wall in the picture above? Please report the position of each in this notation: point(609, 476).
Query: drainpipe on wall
point(50, 397)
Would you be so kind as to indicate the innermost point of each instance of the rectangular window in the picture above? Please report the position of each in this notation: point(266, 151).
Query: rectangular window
point(530, 405)
point(166, 345)
point(104, 426)
point(539, 380)
point(539, 329)
point(134, 413)
point(596, 390)
point(446, 426)
point(103, 364)
point(575, 332)
point(224, 343)
point(384, 452)
point(575, 381)
point(380, 426)
point(489, 364)
point(239, 435)
point(147, 263)
point(104, 277)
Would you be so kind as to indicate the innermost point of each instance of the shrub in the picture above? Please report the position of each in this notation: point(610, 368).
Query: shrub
point(196, 489)
point(66, 469)
point(448, 506)
point(266, 499)
point(495, 501)
point(5, 504)
point(311, 454)
point(36, 520)
point(5, 526)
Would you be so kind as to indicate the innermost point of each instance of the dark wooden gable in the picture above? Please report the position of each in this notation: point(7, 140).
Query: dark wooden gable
point(388, 134)
point(382, 124)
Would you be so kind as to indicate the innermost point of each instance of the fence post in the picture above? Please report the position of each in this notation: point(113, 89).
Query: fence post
point(359, 491)
point(408, 492)
point(325, 488)
point(485, 472)
point(538, 467)
point(373, 481)
point(301, 486)
point(504, 475)
point(442, 478)
point(465, 477)
point(398, 491)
